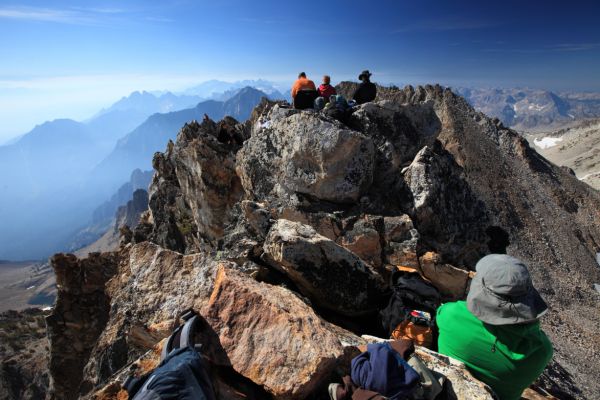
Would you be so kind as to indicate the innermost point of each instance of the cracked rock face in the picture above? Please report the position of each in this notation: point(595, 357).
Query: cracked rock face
point(327, 273)
point(79, 317)
point(272, 337)
point(194, 189)
point(446, 212)
point(153, 286)
point(308, 154)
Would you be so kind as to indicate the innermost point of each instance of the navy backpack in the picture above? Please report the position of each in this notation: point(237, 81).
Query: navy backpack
point(182, 372)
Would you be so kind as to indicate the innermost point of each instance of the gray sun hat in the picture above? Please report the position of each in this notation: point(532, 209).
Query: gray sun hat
point(502, 293)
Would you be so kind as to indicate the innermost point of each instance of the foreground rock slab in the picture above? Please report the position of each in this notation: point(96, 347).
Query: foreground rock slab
point(272, 337)
point(326, 272)
point(152, 288)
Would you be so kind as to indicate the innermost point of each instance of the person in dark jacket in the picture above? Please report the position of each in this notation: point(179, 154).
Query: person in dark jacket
point(366, 90)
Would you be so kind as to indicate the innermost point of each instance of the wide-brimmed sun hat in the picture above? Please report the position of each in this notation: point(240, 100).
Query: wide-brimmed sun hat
point(502, 293)
point(365, 73)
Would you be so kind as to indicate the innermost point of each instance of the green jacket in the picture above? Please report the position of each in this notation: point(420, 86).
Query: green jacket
point(506, 357)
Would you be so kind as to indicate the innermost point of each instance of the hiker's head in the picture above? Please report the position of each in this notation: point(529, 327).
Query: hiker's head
point(364, 76)
point(326, 79)
point(301, 75)
point(502, 293)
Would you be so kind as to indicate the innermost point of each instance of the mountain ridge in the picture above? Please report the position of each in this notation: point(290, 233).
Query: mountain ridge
point(311, 207)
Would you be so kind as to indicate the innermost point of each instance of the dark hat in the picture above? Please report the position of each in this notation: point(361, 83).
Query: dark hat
point(365, 73)
point(502, 293)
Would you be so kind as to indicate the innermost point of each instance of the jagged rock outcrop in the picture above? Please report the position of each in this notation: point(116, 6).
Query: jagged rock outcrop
point(129, 214)
point(448, 216)
point(311, 207)
point(126, 218)
point(152, 287)
point(195, 187)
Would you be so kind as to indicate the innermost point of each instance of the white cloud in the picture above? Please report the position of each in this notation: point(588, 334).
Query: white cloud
point(64, 16)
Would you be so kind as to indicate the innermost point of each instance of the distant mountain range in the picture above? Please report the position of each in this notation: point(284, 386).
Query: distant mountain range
point(53, 177)
point(532, 109)
point(147, 103)
point(136, 149)
point(221, 90)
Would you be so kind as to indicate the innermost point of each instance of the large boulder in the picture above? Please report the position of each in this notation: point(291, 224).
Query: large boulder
point(398, 131)
point(363, 239)
point(324, 271)
point(401, 240)
point(305, 153)
point(272, 337)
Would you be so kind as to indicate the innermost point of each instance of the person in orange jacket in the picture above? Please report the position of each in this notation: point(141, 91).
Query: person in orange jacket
point(302, 83)
point(307, 88)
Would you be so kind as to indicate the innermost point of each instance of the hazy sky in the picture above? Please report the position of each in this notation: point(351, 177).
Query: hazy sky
point(71, 58)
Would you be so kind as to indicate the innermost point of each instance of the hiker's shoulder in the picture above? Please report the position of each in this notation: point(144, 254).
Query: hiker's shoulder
point(453, 308)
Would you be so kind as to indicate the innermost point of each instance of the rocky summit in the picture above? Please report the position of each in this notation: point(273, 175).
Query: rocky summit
point(282, 232)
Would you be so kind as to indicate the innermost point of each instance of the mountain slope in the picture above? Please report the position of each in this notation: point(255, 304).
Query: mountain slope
point(43, 174)
point(103, 216)
point(39, 173)
point(576, 147)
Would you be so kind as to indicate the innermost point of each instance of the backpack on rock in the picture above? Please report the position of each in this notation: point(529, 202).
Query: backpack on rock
point(410, 313)
point(181, 374)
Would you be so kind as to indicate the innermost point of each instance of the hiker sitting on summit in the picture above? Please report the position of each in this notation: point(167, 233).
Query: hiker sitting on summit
point(496, 332)
point(325, 89)
point(366, 90)
point(304, 92)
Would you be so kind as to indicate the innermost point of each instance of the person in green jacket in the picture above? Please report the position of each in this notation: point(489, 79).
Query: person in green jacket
point(496, 333)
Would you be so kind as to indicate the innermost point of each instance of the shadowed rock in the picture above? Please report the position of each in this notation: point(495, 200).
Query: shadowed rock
point(327, 273)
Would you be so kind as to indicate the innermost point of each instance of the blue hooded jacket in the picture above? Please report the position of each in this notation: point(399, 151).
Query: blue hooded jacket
point(381, 369)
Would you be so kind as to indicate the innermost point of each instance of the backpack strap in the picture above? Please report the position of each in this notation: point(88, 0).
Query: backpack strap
point(170, 345)
point(183, 336)
point(133, 385)
point(187, 333)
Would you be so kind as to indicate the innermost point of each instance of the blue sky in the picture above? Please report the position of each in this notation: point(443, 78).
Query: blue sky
point(71, 58)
